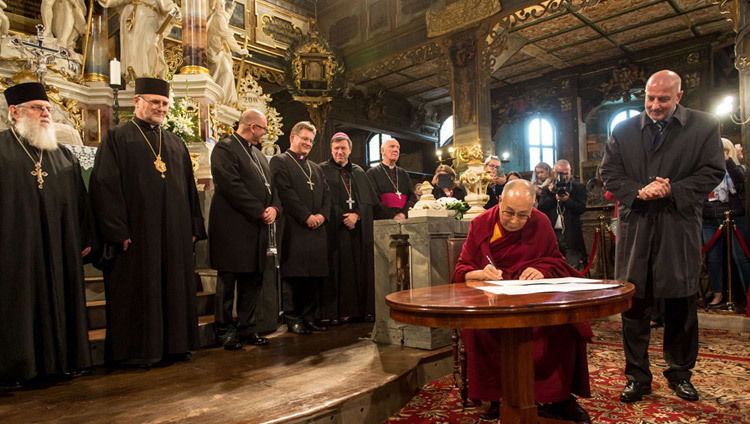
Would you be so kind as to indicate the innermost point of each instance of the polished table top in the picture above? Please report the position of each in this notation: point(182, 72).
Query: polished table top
point(465, 306)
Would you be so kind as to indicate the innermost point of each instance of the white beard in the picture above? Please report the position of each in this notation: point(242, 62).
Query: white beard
point(43, 138)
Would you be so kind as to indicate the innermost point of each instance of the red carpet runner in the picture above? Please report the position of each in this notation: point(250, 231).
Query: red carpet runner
point(722, 377)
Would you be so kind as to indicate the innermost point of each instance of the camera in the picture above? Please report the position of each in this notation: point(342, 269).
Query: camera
point(561, 186)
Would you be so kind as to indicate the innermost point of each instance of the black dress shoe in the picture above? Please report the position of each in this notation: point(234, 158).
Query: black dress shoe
point(298, 328)
point(335, 322)
point(492, 413)
point(634, 391)
point(568, 410)
point(314, 327)
point(255, 339)
point(231, 342)
point(684, 389)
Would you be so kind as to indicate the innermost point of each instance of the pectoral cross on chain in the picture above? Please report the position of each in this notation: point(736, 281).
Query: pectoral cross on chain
point(350, 202)
point(398, 193)
point(39, 174)
point(311, 184)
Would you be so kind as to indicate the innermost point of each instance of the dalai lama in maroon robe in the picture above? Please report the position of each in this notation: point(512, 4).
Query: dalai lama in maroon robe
point(521, 243)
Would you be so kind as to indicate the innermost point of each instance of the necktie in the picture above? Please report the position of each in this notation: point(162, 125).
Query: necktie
point(660, 126)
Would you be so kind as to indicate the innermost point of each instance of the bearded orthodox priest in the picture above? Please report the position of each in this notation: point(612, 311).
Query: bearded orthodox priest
point(148, 214)
point(44, 233)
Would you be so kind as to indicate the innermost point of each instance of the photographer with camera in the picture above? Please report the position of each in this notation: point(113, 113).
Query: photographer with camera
point(563, 201)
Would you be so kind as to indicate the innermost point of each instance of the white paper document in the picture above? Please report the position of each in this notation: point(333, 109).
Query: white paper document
point(546, 288)
point(563, 280)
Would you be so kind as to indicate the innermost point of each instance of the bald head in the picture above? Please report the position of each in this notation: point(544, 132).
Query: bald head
point(663, 93)
point(518, 189)
point(252, 126)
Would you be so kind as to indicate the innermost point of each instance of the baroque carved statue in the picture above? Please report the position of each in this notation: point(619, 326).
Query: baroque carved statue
point(65, 20)
point(221, 44)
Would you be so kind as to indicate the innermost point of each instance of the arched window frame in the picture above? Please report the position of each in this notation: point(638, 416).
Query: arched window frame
point(374, 142)
point(537, 150)
point(444, 139)
point(615, 119)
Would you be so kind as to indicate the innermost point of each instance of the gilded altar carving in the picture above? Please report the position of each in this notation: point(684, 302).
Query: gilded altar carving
point(459, 14)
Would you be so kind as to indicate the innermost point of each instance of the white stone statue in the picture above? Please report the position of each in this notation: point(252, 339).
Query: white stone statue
point(4, 22)
point(64, 21)
point(141, 41)
point(221, 44)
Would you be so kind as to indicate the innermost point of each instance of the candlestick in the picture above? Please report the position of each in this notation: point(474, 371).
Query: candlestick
point(114, 72)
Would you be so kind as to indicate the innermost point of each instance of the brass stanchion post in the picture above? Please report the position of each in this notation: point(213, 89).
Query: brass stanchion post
point(603, 250)
point(728, 226)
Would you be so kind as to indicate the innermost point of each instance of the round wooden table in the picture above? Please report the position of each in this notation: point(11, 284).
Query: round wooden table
point(464, 306)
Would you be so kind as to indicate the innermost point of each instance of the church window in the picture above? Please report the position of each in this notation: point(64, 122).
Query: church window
point(541, 142)
point(621, 116)
point(373, 148)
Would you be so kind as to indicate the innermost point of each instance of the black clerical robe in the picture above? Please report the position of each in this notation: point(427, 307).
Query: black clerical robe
point(349, 290)
point(303, 250)
point(43, 326)
point(383, 184)
point(238, 237)
point(150, 291)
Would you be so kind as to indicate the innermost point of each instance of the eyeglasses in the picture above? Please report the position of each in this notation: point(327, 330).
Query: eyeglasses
point(40, 109)
point(493, 167)
point(265, 129)
point(511, 215)
point(155, 104)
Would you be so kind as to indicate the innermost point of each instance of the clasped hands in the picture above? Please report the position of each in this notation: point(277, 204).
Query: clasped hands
point(315, 221)
point(350, 220)
point(269, 215)
point(657, 189)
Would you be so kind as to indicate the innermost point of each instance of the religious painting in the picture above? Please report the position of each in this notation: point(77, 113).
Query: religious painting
point(238, 16)
point(313, 76)
point(378, 19)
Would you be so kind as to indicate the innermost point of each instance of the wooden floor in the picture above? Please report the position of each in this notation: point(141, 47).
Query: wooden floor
point(292, 379)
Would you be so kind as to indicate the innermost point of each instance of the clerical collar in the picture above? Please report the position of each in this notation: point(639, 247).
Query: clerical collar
point(297, 155)
point(241, 139)
point(389, 166)
point(144, 124)
point(347, 165)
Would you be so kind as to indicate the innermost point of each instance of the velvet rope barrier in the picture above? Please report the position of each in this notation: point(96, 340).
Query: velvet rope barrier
point(713, 239)
point(611, 234)
point(742, 242)
point(593, 253)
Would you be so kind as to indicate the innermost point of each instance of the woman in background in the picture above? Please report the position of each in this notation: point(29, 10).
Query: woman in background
point(447, 186)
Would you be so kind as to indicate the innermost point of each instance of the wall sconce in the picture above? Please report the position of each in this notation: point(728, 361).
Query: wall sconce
point(451, 157)
point(727, 108)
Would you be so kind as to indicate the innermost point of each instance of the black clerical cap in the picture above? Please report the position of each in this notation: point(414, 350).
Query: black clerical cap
point(151, 86)
point(26, 92)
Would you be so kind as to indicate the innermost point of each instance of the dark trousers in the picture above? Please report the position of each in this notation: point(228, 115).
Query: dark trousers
point(300, 298)
point(572, 256)
point(680, 336)
point(249, 286)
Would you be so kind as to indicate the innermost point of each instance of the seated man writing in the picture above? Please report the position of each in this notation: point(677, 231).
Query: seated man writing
point(521, 244)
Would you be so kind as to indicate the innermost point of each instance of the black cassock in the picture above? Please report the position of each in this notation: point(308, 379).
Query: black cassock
point(303, 250)
point(349, 290)
point(150, 291)
point(382, 182)
point(42, 234)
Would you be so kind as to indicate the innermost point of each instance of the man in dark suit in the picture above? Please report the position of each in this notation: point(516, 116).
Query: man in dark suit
point(244, 206)
point(563, 204)
point(660, 165)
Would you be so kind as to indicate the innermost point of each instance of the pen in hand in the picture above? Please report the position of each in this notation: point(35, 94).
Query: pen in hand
point(494, 266)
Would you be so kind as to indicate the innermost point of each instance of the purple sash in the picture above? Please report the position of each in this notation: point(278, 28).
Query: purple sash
point(392, 200)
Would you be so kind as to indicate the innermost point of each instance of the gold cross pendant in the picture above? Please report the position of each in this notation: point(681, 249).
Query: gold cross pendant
point(160, 166)
point(39, 174)
point(311, 184)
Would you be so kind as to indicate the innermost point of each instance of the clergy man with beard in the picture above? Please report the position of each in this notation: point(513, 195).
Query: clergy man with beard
point(514, 241)
point(44, 233)
point(391, 184)
point(244, 206)
point(307, 206)
point(349, 290)
point(147, 210)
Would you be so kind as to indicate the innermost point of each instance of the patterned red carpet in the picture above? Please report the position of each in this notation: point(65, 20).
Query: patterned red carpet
point(722, 377)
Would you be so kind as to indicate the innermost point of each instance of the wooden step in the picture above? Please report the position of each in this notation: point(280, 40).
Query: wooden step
point(96, 310)
point(205, 333)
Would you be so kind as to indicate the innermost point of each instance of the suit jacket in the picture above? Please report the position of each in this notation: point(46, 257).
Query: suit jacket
point(238, 237)
point(572, 210)
point(667, 232)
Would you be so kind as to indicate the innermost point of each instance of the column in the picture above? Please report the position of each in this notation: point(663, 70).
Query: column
point(194, 41)
point(96, 67)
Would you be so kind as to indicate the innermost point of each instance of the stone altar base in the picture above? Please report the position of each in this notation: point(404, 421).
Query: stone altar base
point(411, 254)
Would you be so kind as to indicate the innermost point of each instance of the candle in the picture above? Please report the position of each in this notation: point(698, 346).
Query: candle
point(114, 72)
point(505, 155)
point(440, 154)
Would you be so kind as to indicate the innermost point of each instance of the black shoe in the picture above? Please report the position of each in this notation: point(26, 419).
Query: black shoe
point(314, 327)
point(684, 389)
point(369, 318)
point(568, 410)
point(255, 339)
point(298, 328)
point(492, 413)
point(634, 391)
point(335, 322)
point(231, 342)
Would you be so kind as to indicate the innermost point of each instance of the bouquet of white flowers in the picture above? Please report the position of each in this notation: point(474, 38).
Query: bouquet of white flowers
point(182, 123)
point(452, 203)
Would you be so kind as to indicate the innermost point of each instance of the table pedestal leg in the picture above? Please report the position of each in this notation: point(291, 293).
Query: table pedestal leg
point(517, 376)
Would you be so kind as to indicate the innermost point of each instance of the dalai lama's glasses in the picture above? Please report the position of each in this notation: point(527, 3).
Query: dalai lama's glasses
point(511, 215)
